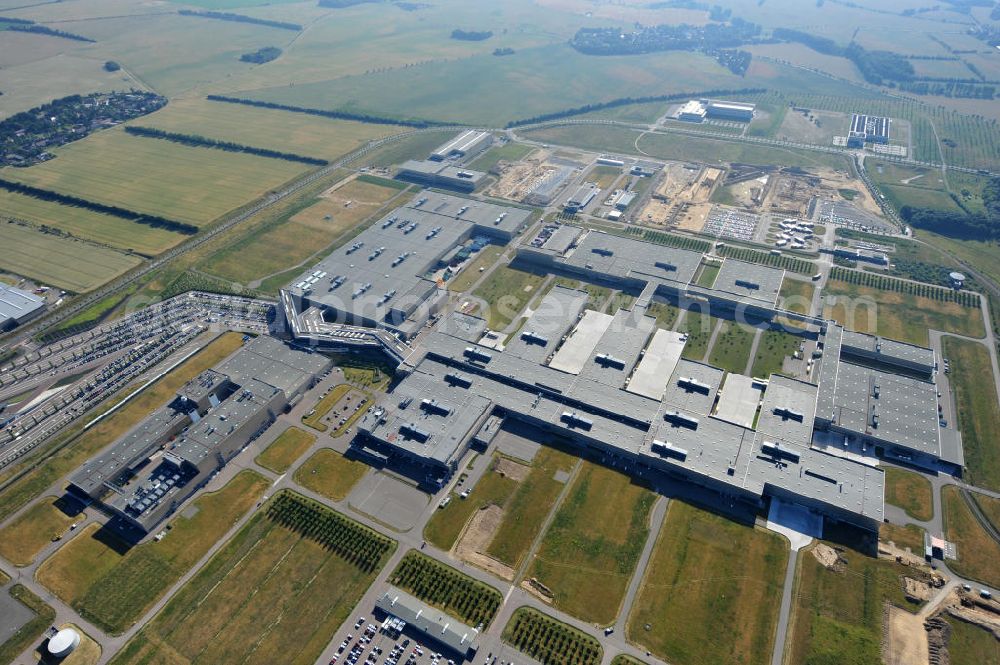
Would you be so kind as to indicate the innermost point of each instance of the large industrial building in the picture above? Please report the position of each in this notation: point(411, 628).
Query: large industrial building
point(18, 306)
point(439, 174)
point(465, 145)
point(867, 129)
point(152, 469)
point(391, 275)
point(698, 110)
point(430, 623)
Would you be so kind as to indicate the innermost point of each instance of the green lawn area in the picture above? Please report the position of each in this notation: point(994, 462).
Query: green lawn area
point(530, 504)
point(698, 327)
point(464, 280)
point(731, 350)
point(42, 475)
point(837, 613)
point(707, 274)
point(25, 537)
point(910, 491)
point(620, 300)
point(711, 592)
point(158, 177)
point(665, 313)
point(590, 551)
point(972, 644)
point(899, 316)
point(507, 291)
point(27, 634)
point(331, 474)
point(604, 176)
point(509, 152)
point(112, 585)
point(796, 295)
point(773, 348)
point(978, 413)
point(977, 552)
point(990, 507)
point(911, 536)
point(284, 450)
point(446, 525)
point(289, 591)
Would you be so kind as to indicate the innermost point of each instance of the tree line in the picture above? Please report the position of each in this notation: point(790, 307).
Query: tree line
point(471, 35)
point(240, 18)
point(262, 55)
point(877, 67)
point(122, 213)
point(965, 225)
point(44, 30)
point(626, 101)
point(196, 141)
point(337, 115)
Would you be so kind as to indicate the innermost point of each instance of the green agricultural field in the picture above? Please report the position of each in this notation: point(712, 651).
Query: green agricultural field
point(796, 295)
point(29, 633)
point(837, 613)
point(978, 553)
point(509, 152)
point(698, 327)
point(910, 491)
point(530, 504)
point(911, 536)
point(972, 644)
point(193, 185)
point(447, 523)
point(82, 223)
point(301, 134)
point(303, 232)
point(65, 263)
point(487, 256)
point(597, 535)
point(773, 348)
point(731, 350)
point(900, 316)
point(32, 531)
point(286, 449)
point(711, 592)
point(455, 593)
point(978, 413)
point(506, 292)
point(40, 476)
point(330, 474)
point(112, 585)
point(289, 590)
point(550, 642)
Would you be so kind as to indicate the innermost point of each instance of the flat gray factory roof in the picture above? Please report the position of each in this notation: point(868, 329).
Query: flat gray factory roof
point(544, 329)
point(617, 352)
point(562, 238)
point(430, 621)
point(788, 409)
point(738, 399)
point(466, 326)
point(624, 257)
point(473, 211)
point(574, 352)
point(434, 430)
point(202, 385)
point(906, 408)
point(657, 365)
point(275, 363)
point(888, 348)
point(749, 281)
point(17, 304)
point(828, 366)
point(693, 386)
point(461, 143)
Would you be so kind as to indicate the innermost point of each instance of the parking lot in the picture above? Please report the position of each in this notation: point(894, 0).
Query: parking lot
point(728, 223)
point(385, 642)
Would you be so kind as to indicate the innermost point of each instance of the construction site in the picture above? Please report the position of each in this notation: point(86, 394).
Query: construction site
point(536, 179)
point(681, 198)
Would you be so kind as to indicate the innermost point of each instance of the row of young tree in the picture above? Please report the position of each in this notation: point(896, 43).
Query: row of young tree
point(45, 30)
point(197, 141)
point(337, 115)
point(240, 18)
point(627, 101)
point(115, 211)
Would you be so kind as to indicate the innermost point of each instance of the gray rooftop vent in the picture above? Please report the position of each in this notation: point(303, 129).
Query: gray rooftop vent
point(456, 379)
point(602, 251)
point(787, 413)
point(435, 407)
point(680, 419)
point(747, 284)
point(411, 431)
point(605, 360)
point(573, 419)
point(693, 385)
point(777, 451)
point(665, 449)
point(669, 267)
point(472, 353)
point(534, 338)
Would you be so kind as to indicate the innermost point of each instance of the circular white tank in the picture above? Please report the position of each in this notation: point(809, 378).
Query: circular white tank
point(62, 643)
